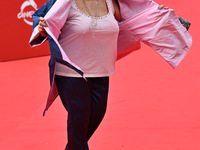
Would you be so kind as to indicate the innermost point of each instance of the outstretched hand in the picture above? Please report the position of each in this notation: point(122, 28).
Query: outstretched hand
point(163, 7)
point(41, 26)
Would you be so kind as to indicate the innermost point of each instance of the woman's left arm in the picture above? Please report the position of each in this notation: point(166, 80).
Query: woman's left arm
point(117, 13)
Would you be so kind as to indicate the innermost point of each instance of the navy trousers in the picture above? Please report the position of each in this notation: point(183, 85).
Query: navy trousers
point(86, 103)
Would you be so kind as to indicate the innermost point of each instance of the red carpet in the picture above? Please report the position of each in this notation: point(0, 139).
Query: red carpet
point(151, 106)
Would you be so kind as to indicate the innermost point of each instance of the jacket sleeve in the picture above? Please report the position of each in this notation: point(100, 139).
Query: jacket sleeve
point(41, 12)
point(159, 29)
point(55, 13)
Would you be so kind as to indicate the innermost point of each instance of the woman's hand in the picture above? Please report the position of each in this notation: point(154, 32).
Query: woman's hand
point(163, 7)
point(41, 26)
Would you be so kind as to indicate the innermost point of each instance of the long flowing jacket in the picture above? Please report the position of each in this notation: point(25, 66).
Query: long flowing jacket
point(142, 21)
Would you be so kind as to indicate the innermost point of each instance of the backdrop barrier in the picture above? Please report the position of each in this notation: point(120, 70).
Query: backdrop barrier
point(16, 28)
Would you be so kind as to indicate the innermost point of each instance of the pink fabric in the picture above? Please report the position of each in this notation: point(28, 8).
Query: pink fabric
point(142, 21)
point(55, 20)
point(160, 29)
point(130, 8)
point(93, 50)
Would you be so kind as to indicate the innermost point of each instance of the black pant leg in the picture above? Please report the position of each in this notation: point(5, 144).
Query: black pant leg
point(99, 95)
point(86, 104)
point(75, 96)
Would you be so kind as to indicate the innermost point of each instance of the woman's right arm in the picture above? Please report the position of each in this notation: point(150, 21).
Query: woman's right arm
point(38, 17)
point(41, 12)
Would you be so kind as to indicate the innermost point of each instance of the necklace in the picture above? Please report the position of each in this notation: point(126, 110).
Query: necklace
point(94, 19)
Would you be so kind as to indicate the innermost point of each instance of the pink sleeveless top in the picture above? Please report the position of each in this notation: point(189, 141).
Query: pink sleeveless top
point(93, 50)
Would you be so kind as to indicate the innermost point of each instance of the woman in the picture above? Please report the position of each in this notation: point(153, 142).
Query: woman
point(89, 38)
point(83, 38)
point(86, 101)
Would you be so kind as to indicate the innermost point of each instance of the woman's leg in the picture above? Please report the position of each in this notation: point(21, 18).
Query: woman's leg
point(99, 94)
point(75, 96)
point(86, 101)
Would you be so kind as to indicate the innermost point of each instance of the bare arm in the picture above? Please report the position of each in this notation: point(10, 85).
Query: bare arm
point(117, 13)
